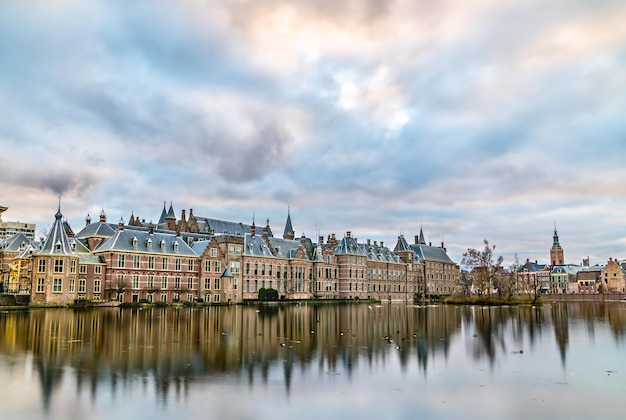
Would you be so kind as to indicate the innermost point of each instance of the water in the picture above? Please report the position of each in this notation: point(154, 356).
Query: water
point(315, 361)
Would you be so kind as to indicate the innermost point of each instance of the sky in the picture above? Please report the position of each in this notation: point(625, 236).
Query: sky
point(471, 119)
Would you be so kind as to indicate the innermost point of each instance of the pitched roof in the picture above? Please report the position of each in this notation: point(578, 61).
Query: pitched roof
point(99, 229)
point(56, 242)
point(431, 253)
point(163, 215)
point(15, 243)
point(140, 241)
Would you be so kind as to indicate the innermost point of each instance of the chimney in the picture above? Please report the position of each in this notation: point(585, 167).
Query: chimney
point(190, 213)
point(253, 230)
point(103, 217)
point(382, 244)
point(430, 244)
point(349, 234)
point(321, 240)
point(151, 229)
point(120, 224)
point(375, 243)
point(88, 220)
point(417, 239)
point(368, 242)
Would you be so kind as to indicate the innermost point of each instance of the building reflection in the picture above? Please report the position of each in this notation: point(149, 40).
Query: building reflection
point(170, 349)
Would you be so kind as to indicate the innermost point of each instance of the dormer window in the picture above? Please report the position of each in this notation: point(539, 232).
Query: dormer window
point(134, 242)
point(175, 246)
point(149, 243)
point(162, 244)
point(57, 246)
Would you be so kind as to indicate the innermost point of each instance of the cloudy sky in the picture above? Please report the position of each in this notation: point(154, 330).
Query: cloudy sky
point(476, 119)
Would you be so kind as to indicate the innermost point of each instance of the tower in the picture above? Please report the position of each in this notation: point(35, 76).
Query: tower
point(556, 252)
point(288, 233)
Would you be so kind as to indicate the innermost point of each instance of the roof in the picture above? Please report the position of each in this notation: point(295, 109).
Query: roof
point(380, 253)
point(139, 241)
point(56, 242)
point(209, 225)
point(288, 227)
point(349, 245)
point(531, 267)
point(431, 253)
point(163, 215)
point(100, 229)
point(15, 243)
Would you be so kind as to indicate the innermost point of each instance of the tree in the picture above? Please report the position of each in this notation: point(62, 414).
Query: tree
point(485, 269)
point(268, 294)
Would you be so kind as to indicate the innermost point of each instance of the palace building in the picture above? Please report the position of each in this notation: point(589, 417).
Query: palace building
point(218, 261)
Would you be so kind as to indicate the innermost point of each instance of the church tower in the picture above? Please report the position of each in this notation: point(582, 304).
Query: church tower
point(556, 252)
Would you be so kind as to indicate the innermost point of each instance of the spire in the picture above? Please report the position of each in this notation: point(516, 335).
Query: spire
point(170, 212)
point(253, 227)
point(163, 215)
point(555, 239)
point(421, 237)
point(288, 233)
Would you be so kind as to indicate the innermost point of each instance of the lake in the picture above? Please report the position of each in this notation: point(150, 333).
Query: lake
point(561, 360)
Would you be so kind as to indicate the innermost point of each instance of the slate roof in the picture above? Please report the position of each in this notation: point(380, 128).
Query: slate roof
point(349, 245)
point(431, 253)
point(15, 243)
point(532, 267)
point(256, 246)
point(138, 241)
point(56, 242)
point(100, 229)
point(208, 225)
point(380, 253)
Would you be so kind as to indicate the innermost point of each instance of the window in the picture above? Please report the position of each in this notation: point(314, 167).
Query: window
point(73, 266)
point(175, 246)
point(190, 282)
point(216, 298)
point(165, 263)
point(262, 269)
point(150, 282)
point(234, 284)
point(177, 283)
point(136, 261)
point(271, 266)
point(82, 269)
point(247, 285)
point(135, 281)
point(82, 283)
point(207, 284)
point(213, 252)
point(164, 282)
point(58, 265)
point(235, 267)
point(41, 284)
point(216, 284)
point(98, 269)
point(57, 285)
point(42, 266)
point(189, 297)
point(190, 265)
point(247, 268)
point(218, 266)
point(278, 272)
point(151, 262)
point(237, 250)
point(96, 286)
point(121, 260)
point(207, 266)
point(256, 269)
point(163, 297)
point(177, 264)
point(231, 250)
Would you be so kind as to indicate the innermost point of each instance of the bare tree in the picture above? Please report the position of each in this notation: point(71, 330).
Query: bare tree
point(485, 268)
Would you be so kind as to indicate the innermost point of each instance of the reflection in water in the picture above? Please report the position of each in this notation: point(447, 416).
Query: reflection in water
point(171, 349)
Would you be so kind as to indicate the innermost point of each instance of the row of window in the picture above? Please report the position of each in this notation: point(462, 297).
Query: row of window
point(57, 285)
point(136, 262)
